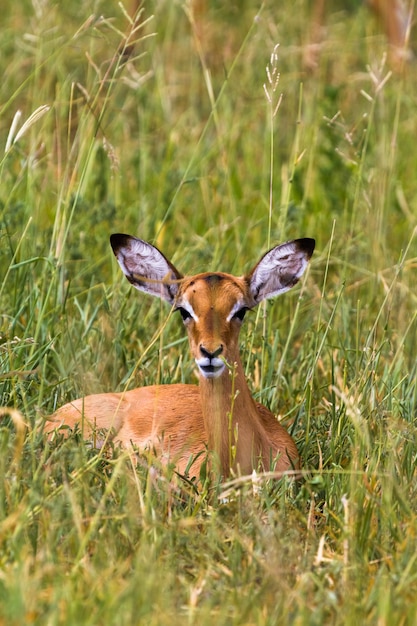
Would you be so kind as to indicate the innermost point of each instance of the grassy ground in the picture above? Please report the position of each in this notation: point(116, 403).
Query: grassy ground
point(181, 144)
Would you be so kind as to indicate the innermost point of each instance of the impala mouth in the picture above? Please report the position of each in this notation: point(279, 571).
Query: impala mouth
point(211, 368)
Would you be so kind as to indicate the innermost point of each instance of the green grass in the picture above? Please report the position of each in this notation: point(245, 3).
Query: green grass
point(180, 145)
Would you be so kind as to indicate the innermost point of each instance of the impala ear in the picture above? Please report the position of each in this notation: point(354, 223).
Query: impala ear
point(146, 267)
point(280, 269)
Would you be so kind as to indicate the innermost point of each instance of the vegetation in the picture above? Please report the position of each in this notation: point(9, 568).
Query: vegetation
point(172, 129)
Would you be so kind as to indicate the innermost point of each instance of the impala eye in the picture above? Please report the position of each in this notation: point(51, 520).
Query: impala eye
point(240, 314)
point(184, 314)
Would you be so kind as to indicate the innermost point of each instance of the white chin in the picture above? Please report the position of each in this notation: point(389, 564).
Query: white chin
point(211, 371)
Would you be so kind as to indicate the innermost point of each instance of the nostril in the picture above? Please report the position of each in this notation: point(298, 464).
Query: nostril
point(209, 354)
point(218, 351)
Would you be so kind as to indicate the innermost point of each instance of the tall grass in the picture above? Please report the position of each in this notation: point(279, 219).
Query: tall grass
point(179, 144)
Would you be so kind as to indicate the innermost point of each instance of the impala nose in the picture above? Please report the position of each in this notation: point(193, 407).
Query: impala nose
point(211, 355)
point(210, 365)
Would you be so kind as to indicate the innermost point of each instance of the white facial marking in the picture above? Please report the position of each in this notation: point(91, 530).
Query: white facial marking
point(210, 368)
point(184, 304)
point(236, 307)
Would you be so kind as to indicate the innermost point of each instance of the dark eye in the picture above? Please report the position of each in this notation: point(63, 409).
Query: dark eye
point(184, 314)
point(239, 315)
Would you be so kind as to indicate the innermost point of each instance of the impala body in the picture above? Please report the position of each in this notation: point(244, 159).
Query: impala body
point(181, 423)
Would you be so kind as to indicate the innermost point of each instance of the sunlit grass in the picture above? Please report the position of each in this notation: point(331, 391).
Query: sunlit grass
point(179, 144)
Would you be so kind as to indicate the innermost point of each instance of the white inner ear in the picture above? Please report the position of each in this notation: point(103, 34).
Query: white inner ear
point(142, 259)
point(147, 269)
point(278, 271)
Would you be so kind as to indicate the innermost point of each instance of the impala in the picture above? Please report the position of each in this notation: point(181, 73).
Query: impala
point(183, 423)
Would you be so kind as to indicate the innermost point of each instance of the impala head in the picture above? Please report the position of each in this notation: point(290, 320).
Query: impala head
point(213, 304)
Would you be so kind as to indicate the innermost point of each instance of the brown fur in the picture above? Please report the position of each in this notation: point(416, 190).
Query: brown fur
point(179, 422)
point(168, 420)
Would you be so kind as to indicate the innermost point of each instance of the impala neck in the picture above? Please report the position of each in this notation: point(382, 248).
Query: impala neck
point(234, 431)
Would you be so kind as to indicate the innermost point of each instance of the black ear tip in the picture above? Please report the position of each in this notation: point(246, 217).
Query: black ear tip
point(117, 240)
point(307, 245)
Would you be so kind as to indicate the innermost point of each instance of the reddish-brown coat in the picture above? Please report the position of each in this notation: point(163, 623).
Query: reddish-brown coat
point(219, 416)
